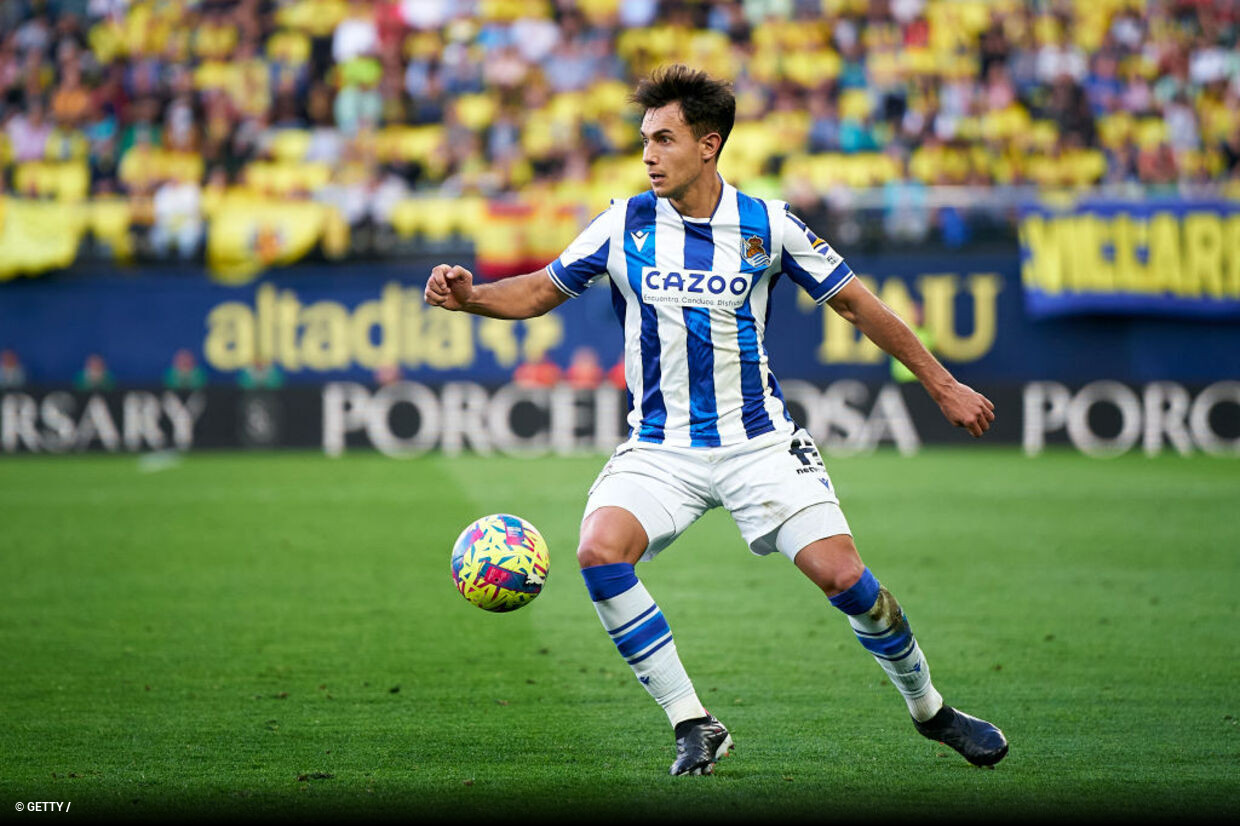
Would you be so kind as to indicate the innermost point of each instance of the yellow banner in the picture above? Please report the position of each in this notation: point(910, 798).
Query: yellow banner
point(37, 236)
point(246, 238)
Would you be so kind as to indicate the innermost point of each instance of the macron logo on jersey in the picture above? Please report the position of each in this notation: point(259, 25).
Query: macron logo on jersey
point(694, 288)
point(639, 239)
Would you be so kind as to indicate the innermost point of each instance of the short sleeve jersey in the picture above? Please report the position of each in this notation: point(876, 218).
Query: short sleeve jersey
point(693, 299)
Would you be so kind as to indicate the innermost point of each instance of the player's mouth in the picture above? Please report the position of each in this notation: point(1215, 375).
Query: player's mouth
point(656, 178)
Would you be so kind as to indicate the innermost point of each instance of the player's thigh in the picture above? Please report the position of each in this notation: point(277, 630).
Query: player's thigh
point(781, 496)
point(664, 492)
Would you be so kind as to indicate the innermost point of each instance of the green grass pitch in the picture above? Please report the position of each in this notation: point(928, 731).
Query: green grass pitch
point(269, 636)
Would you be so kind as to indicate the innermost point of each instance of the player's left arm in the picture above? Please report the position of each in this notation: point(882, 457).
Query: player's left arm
point(962, 405)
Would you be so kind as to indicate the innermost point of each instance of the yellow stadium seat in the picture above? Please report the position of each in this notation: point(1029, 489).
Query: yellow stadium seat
point(1115, 129)
point(314, 175)
point(881, 168)
point(810, 68)
point(1150, 132)
point(419, 143)
point(827, 170)
point(213, 74)
point(289, 47)
point(62, 181)
point(109, 220)
point(290, 145)
point(598, 9)
point(854, 103)
point(566, 107)
point(605, 97)
point(509, 10)
point(405, 218)
point(315, 17)
point(1004, 124)
point(1218, 121)
point(440, 220)
point(919, 60)
point(257, 175)
point(1044, 134)
point(476, 111)
point(422, 44)
point(180, 166)
point(538, 138)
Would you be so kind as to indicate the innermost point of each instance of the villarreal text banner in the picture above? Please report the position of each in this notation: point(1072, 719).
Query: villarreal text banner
point(1155, 257)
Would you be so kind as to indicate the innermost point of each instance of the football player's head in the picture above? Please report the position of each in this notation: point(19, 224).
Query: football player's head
point(688, 117)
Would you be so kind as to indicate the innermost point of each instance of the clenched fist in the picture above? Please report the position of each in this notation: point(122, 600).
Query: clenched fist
point(450, 287)
point(965, 407)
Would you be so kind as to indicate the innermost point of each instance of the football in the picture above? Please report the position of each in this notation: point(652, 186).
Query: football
point(500, 562)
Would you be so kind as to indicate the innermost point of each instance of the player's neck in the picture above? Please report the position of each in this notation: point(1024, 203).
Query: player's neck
point(701, 197)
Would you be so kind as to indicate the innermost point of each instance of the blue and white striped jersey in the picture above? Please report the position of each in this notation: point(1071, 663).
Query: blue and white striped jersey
point(693, 298)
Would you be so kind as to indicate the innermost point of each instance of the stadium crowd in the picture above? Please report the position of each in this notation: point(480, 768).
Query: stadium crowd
point(167, 105)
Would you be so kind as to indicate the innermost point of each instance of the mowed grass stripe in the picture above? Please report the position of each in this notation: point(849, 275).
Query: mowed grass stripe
point(276, 634)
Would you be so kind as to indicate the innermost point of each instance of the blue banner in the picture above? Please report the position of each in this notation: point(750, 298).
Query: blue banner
point(1167, 257)
point(367, 322)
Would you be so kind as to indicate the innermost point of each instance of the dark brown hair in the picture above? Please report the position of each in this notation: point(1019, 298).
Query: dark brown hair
point(707, 104)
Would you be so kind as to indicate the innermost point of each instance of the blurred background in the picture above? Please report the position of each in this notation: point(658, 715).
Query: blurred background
point(216, 216)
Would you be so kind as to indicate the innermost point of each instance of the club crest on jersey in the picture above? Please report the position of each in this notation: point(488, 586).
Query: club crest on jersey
point(755, 252)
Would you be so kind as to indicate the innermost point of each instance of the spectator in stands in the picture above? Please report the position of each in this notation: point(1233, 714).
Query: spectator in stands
point(177, 219)
point(263, 374)
point(94, 375)
point(584, 372)
point(540, 372)
point(12, 374)
point(29, 130)
point(184, 373)
point(388, 373)
point(511, 100)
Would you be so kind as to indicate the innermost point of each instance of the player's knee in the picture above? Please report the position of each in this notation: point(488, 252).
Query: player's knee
point(832, 564)
point(608, 536)
point(597, 548)
point(847, 575)
point(589, 555)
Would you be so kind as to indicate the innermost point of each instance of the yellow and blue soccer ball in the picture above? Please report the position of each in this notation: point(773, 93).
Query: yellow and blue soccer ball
point(500, 562)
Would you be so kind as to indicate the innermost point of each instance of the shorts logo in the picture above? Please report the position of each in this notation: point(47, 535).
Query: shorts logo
point(807, 453)
point(755, 252)
point(695, 288)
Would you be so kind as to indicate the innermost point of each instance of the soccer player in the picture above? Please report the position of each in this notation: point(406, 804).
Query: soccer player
point(691, 264)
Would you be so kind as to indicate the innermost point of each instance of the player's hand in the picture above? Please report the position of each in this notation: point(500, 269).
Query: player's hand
point(965, 407)
point(449, 286)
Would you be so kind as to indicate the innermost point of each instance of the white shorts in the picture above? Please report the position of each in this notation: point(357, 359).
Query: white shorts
point(776, 488)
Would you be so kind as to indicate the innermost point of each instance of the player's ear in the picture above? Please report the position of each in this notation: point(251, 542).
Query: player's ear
point(710, 144)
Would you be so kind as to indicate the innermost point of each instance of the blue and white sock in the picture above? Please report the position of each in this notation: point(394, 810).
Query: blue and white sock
point(642, 636)
point(880, 625)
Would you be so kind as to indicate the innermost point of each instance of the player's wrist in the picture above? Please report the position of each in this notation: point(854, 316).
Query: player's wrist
point(941, 387)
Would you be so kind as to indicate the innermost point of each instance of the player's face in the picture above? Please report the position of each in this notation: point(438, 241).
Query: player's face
point(674, 158)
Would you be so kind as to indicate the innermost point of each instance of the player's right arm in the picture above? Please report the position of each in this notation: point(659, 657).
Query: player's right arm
point(532, 294)
point(521, 296)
